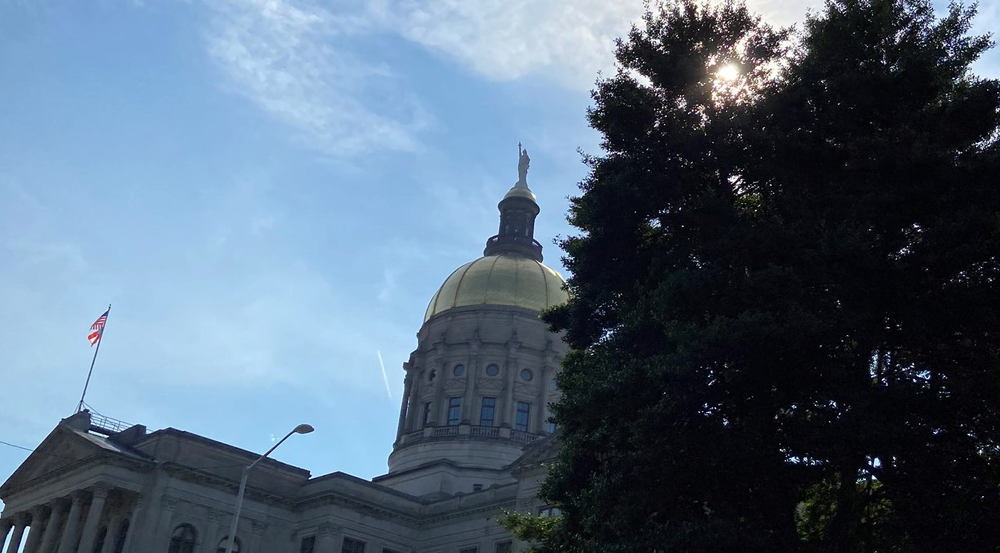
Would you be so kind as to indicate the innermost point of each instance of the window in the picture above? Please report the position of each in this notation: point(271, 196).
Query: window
point(492, 370)
point(459, 370)
point(503, 547)
point(553, 385)
point(427, 414)
point(527, 375)
point(477, 487)
point(221, 548)
point(550, 425)
point(387, 550)
point(488, 411)
point(454, 410)
point(469, 550)
point(549, 511)
point(431, 375)
point(308, 544)
point(182, 540)
point(353, 546)
point(521, 421)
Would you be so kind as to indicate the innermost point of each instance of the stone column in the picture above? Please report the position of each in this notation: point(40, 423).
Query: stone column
point(257, 528)
point(508, 392)
point(413, 422)
point(100, 496)
point(20, 522)
point(67, 544)
point(133, 525)
point(37, 528)
point(439, 409)
point(113, 523)
point(5, 526)
point(57, 511)
point(326, 538)
point(538, 421)
point(165, 526)
point(407, 405)
point(212, 531)
point(471, 373)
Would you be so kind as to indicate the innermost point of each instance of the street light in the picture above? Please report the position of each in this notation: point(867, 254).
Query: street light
point(300, 429)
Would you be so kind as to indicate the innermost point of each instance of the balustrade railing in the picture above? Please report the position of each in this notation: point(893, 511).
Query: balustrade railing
point(485, 432)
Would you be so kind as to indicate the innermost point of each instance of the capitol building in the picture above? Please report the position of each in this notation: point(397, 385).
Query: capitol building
point(473, 437)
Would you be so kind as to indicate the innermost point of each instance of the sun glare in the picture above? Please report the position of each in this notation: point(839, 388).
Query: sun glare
point(728, 72)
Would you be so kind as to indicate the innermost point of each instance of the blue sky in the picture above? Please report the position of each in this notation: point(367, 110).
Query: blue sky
point(269, 192)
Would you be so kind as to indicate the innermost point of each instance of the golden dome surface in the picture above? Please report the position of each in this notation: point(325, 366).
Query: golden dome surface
point(500, 280)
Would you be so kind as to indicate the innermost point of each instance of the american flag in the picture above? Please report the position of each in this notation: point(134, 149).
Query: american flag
point(97, 328)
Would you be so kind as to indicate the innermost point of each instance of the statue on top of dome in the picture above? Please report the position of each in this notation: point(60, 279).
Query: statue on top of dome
point(522, 165)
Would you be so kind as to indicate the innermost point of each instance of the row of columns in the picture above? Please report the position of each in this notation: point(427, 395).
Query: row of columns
point(411, 410)
point(56, 526)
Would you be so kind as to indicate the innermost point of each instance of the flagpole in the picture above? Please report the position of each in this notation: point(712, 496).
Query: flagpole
point(100, 338)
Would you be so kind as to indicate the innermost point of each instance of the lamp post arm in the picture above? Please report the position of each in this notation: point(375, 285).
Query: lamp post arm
point(268, 452)
point(239, 507)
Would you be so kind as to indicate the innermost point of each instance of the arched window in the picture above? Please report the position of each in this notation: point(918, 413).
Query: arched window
point(225, 541)
point(182, 540)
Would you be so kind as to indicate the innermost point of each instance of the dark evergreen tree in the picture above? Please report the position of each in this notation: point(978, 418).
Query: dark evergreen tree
point(785, 289)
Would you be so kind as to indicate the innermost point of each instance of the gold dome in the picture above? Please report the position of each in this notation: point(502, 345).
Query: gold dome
point(500, 280)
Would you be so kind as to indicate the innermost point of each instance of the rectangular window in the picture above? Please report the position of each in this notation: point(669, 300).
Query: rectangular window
point(549, 511)
point(469, 550)
point(427, 414)
point(307, 545)
point(523, 412)
point(454, 411)
point(387, 550)
point(488, 411)
point(353, 546)
point(503, 547)
point(550, 425)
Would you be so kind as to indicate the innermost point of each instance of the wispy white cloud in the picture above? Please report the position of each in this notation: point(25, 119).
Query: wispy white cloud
point(287, 58)
point(565, 40)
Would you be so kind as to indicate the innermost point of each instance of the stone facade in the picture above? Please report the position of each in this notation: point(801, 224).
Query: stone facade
point(472, 435)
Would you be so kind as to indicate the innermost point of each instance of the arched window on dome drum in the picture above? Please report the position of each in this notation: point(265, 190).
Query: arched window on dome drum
point(221, 548)
point(183, 539)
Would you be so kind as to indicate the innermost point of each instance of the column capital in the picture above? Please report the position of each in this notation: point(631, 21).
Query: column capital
point(6, 523)
point(21, 518)
point(168, 502)
point(215, 515)
point(327, 529)
point(100, 490)
point(79, 496)
point(37, 513)
point(257, 527)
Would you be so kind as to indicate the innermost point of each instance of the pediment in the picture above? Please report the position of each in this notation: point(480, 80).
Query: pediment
point(61, 449)
point(538, 453)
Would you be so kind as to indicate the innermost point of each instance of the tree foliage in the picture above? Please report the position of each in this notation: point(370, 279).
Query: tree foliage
point(785, 303)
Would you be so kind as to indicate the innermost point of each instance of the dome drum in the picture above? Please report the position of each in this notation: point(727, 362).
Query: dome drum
point(479, 384)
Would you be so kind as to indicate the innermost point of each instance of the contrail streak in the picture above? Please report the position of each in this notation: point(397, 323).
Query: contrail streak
point(385, 377)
